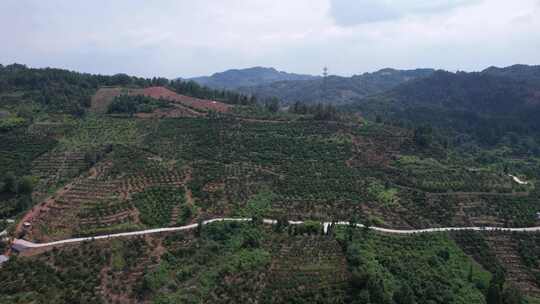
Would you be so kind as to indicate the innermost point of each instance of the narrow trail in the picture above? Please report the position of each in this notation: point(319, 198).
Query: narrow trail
point(20, 244)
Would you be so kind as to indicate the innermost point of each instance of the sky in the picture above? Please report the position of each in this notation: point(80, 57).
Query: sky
point(178, 38)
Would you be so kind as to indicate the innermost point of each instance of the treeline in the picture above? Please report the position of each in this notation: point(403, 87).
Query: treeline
point(70, 92)
point(128, 104)
point(319, 111)
point(16, 192)
point(191, 88)
point(60, 90)
point(15, 185)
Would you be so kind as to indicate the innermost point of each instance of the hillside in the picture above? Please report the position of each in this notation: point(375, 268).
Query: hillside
point(522, 72)
point(339, 90)
point(478, 92)
point(103, 98)
point(491, 108)
point(233, 79)
point(142, 154)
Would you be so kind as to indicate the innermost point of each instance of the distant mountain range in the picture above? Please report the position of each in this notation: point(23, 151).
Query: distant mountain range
point(289, 87)
point(337, 89)
point(493, 90)
point(236, 78)
point(527, 73)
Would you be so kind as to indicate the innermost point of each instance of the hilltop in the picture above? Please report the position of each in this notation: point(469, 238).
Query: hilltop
point(236, 78)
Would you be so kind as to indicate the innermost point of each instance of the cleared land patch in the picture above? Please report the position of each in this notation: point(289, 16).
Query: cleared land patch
point(186, 105)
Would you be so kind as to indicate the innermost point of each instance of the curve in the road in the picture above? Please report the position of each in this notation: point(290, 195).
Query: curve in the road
point(23, 244)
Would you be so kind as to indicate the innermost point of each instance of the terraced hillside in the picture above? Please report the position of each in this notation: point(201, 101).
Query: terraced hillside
point(248, 262)
point(227, 166)
point(97, 172)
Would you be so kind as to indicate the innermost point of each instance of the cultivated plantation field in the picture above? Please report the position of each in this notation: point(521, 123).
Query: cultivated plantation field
point(110, 175)
point(133, 154)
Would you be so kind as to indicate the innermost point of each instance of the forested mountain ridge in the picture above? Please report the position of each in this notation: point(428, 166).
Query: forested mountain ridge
point(523, 72)
point(491, 107)
point(337, 89)
point(479, 92)
point(235, 78)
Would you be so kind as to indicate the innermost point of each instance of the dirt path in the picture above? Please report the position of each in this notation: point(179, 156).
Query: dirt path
point(187, 191)
point(43, 206)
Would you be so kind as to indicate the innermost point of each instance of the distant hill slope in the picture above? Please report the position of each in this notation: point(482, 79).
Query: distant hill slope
point(493, 107)
point(232, 79)
point(528, 73)
point(339, 90)
point(479, 92)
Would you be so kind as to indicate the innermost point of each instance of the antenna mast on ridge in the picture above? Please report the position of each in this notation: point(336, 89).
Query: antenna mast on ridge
point(325, 79)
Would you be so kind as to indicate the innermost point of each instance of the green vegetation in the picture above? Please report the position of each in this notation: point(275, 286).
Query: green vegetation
point(11, 122)
point(66, 276)
point(223, 264)
point(382, 194)
point(191, 88)
point(417, 269)
point(94, 131)
point(469, 111)
point(108, 173)
point(318, 111)
point(133, 104)
point(15, 194)
point(258, 206)
point(156, 205)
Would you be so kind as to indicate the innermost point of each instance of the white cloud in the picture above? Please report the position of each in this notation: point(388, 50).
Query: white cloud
point(354, 12)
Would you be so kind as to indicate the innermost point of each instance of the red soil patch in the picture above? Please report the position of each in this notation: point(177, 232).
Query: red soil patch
point(192, 102)
point(104, 96)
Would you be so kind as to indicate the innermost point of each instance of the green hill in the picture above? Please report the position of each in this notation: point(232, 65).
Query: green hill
point(171, 153)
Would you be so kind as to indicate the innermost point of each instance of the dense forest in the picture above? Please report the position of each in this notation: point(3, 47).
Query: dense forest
point(487, 108)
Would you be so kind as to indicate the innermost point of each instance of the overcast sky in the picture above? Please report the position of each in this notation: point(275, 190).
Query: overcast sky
point(174, 38)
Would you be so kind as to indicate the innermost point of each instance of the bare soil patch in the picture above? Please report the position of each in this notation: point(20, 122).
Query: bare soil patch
point(191, 105)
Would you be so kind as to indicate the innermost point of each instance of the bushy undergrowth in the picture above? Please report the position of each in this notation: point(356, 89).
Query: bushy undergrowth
point(156, 205)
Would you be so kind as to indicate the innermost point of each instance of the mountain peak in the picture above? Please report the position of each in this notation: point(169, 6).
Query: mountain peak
point(253, 76)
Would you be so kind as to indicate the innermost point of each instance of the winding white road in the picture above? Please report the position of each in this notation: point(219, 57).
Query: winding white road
point(20, 244)
point(518, 180)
